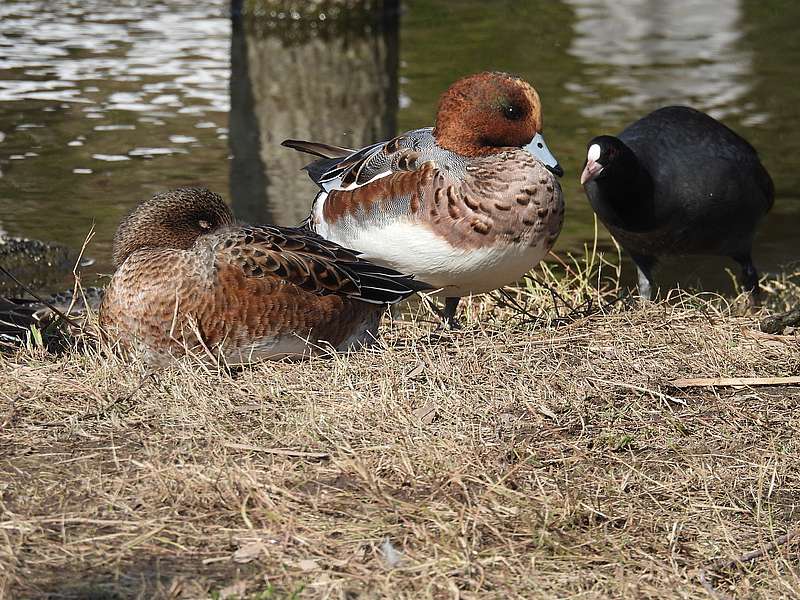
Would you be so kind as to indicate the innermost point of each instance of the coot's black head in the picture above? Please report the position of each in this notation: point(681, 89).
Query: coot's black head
point(606, 155)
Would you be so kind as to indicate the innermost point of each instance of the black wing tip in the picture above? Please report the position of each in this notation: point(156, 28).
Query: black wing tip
point(292, 143)
point(378, 271)
point(418, 285)
point(385, 286)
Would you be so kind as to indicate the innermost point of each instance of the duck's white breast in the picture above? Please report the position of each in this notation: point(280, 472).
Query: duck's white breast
point(414, 249)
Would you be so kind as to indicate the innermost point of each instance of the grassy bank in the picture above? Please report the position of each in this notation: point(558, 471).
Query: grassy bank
point(532, 455)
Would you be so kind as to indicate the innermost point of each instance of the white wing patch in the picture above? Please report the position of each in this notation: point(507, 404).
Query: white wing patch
point(336, 184)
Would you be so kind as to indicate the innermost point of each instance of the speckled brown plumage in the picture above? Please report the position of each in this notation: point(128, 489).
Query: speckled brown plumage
point(509, 198)
point(380, 194)
point(249, 292)
point(518, 202)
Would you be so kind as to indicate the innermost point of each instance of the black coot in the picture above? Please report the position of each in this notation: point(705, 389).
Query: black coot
point(679, 182)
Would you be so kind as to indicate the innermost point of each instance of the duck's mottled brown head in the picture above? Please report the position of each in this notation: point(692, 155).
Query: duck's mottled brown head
point(173, 219)
point(484, 113)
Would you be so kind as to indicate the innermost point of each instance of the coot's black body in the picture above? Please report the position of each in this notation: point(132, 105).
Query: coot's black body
point(679, 182)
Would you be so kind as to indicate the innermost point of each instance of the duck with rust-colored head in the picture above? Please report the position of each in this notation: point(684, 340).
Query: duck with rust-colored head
point(189, 277)
point(469, 205)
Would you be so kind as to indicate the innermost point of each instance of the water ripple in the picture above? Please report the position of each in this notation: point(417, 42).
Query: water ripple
point(69, 51)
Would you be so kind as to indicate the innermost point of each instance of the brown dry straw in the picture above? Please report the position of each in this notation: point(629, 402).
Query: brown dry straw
point(512, 459)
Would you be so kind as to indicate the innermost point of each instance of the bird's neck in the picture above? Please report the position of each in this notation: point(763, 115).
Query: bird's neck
point(626, 197)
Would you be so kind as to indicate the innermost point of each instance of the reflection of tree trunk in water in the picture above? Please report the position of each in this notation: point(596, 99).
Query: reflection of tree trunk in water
point(248, 178)
point(332, 80)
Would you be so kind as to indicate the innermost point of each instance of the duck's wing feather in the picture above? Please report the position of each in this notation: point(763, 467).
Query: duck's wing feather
point(383, 181)
point(402, 153)
point(312, 263)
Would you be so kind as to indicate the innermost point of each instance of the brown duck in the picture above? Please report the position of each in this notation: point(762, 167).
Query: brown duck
point(190, 278)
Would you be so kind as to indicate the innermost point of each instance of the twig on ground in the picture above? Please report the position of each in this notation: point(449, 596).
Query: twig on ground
point(733, 381)
point(782, 540)
point(278, 451)
point(638, 388)
point(738, 561)
point(775, 337)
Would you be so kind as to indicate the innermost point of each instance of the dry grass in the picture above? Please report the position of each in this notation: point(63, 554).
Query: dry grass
point(524, 457)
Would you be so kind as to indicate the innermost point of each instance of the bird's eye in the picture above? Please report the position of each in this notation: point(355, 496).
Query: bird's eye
point(204, 224)
point(512, 112)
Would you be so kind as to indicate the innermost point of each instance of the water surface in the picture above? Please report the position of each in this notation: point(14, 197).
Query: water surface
point(103, 104)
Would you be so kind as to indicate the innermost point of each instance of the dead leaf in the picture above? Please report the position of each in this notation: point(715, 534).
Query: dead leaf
point(237, 589)
point(308, 564)
point(248, 552)
point(547, 412)
point(426, 413)
point(418, 368)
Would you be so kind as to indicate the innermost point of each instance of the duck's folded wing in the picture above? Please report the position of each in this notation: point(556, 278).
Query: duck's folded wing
point(312, 263)
point(338, 171)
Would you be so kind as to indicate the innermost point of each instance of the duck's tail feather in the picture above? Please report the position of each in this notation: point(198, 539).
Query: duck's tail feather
point(318, 148)
point(381, 285)
point(329, 157)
